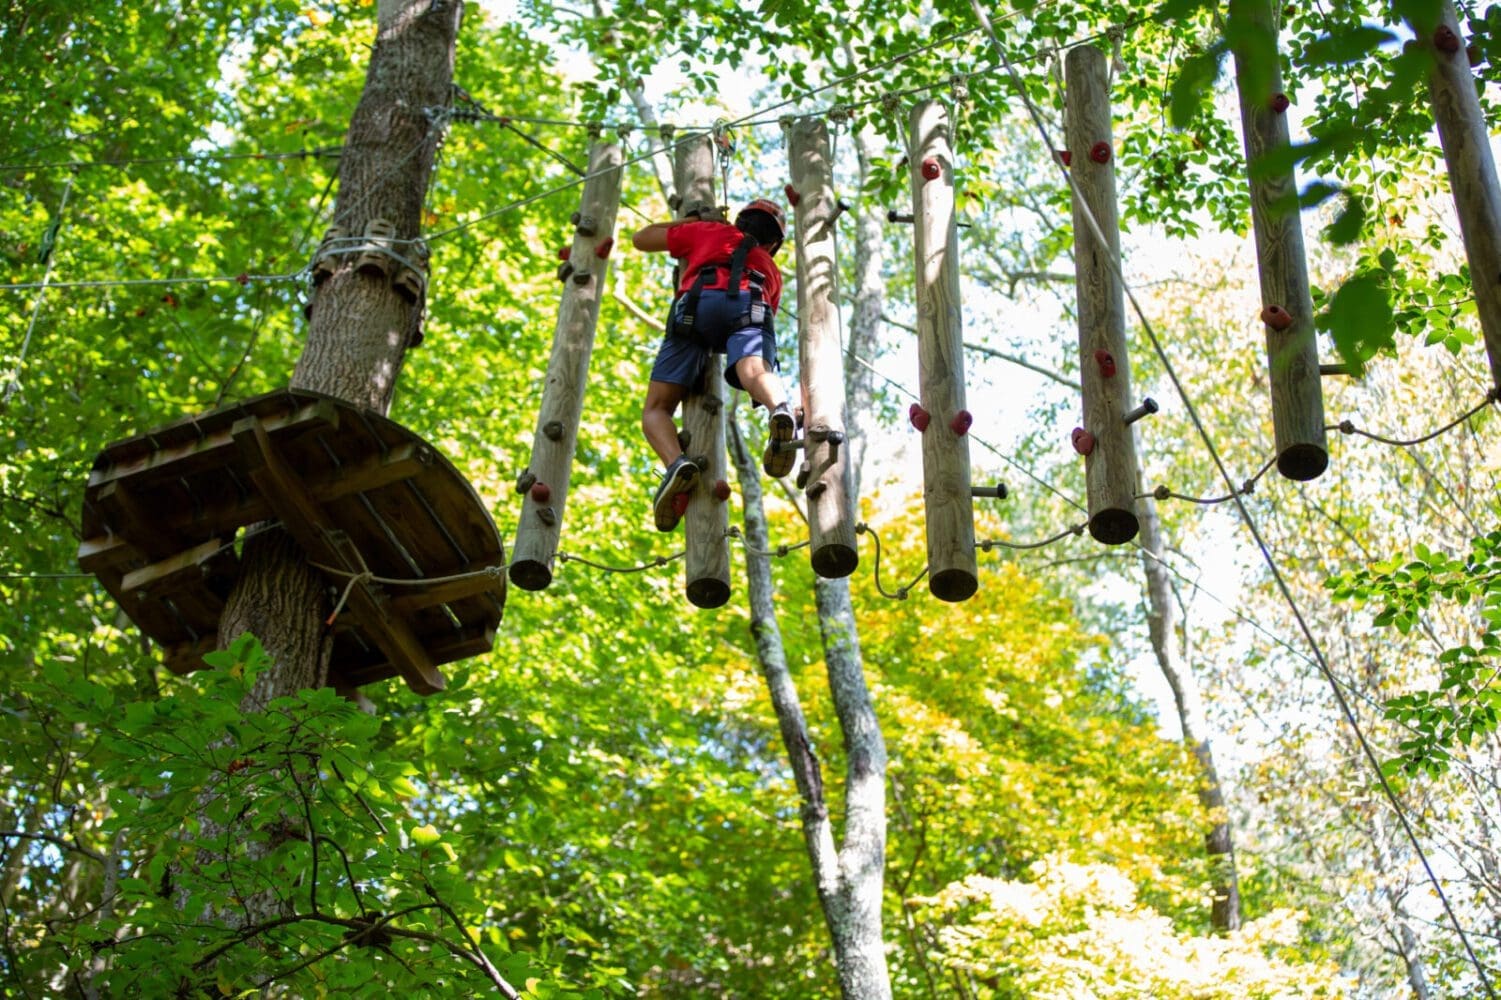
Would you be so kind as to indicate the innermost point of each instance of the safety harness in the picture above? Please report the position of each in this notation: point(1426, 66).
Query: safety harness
point(684, 319)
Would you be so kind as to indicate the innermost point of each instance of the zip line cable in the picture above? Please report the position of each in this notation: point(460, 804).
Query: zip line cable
point(321, 151)
point(1245, 513)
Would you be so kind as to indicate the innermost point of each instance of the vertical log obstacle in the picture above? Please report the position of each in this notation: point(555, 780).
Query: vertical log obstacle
point(1105, 371)
point(544, 483)
point(1465, 139)
point(941, 416)
point(706, 522)
point(831, 521)
point(1287, 304)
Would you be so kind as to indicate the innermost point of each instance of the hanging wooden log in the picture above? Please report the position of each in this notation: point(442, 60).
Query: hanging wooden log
point(952, 570)
point(1105, 370)
point(831, 517)
point(545, 483)
point(1287, 304)
point(1465, 137)
point(706, 522)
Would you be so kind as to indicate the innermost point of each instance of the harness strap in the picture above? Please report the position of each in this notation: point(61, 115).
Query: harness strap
point(689, 313)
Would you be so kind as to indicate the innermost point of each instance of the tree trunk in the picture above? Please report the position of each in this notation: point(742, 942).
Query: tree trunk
point(360, 325)
point(1162, 622)
point(850, 878)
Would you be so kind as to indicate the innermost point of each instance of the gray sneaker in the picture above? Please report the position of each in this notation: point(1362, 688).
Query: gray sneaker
point(677, 481)
point(776, 461)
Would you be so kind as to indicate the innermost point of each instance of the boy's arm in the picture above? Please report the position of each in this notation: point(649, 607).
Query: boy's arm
point(653, 238)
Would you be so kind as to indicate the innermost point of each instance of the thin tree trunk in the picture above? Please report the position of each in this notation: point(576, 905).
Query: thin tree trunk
point(1162, 623)
point(849, 878)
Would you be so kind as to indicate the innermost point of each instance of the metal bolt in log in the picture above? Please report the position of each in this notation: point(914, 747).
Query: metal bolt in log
point(893, 215)
point(1147, 408)
point(996, 492)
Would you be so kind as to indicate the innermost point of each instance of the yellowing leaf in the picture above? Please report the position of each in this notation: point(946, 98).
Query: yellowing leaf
point(425, 836)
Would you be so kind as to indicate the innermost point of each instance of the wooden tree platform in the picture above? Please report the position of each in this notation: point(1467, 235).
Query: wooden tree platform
point(358, 492)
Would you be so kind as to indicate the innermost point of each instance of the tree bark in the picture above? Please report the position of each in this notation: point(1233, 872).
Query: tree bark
point(1162, 623)
point(360, 325)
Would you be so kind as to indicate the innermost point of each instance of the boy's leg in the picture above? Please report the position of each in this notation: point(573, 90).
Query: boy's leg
point(662, 399)
point(763, 385)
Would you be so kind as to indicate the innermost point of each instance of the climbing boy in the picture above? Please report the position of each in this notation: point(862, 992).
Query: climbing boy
point(728, 291)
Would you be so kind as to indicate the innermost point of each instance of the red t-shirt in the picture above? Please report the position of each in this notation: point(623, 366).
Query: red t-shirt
point(697, 244)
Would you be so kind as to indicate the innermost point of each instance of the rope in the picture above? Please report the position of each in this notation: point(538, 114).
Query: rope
point(988, 544)
point(901, 592)
point(1246, 489)
point(239, 279)
point(13, 384)
point(1266, 554)
point(564, 557)
point(1348, 427)
point(185, 158)
point(780, 552)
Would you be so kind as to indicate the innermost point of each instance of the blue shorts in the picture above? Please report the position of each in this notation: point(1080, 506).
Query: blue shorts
point(717, 328)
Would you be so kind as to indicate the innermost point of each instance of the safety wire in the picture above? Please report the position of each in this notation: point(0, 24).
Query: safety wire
point(49, 252)
point(1344, 705)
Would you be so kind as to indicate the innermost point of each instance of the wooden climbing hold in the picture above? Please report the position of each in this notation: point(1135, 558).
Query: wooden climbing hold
point(1106, 361)
point(931, 170)
point(1279, 103)
point(1277, 318)
point(793, 197)
point(547, 516)
point(961, 423)
point(585, 225)
point(323, 260)
point(565, 270)
point(581, 278)
point(1100, 152)
point(375, 258)
point(525, 480)
point(553, 430)
point(1082, 440)
point(721, 490)
point(541, 493)
point(918, 417)
point(411, 281)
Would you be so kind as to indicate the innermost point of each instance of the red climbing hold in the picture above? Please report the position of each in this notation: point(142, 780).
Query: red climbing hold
point(1279, 103)
point(1106, 361)
point(541, 493)
point(1276, 317)
point(792, 196)
point(1445, 40)
point(721, 490)
point(930, 169)
point(564, 253)
point(961, 423)
point(1100, 152)
point(680, 503)
point(918, 417)
point(1064, 157)
point(603, 250)
point(1083, 441)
